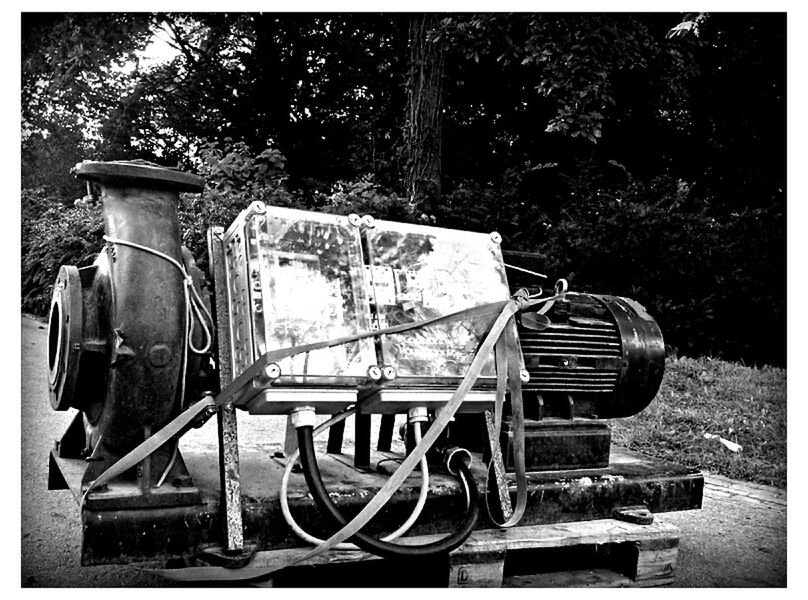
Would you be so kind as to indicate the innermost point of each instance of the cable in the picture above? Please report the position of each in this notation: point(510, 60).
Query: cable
point(385, 549)
point(528, 271)
point(193, 302)
point(316, 541)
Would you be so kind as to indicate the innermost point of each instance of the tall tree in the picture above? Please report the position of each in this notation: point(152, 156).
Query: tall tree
point(423, 129)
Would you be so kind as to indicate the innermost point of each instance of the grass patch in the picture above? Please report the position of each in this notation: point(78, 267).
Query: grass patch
point(743, 404)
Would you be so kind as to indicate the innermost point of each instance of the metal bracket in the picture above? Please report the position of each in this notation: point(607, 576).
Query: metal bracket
point(229, 559)
point(228, 431)
point(639, 515)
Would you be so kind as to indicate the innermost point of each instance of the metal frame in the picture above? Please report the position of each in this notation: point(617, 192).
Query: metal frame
point(226, 418)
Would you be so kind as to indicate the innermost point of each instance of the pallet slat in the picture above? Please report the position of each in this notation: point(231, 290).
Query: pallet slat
point(637, 555)
point(627, 555)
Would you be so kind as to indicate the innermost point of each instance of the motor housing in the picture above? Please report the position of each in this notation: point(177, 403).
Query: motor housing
point(599, 356)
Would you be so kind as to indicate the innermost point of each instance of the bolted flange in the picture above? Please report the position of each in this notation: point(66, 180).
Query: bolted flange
point(65, 337)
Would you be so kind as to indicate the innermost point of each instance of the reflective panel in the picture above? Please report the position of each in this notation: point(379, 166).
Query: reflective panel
point(306, 284)
point(419, 272)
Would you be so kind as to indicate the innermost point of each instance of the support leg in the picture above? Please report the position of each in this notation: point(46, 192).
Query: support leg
point(362, 441)
point(386, 433)
point(335, 435)
point(228, 436)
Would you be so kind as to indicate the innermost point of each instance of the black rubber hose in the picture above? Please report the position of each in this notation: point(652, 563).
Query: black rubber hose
point(311, 471)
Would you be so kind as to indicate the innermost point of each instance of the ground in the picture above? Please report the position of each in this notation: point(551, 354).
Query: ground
point(738, 539)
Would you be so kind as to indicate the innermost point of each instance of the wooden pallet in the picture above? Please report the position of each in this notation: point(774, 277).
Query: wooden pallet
point(601, 553)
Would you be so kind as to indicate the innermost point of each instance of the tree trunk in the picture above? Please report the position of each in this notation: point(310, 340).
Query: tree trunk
point(271, 102)
point(424, 118)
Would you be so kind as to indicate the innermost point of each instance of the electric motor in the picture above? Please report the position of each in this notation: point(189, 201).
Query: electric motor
point(604, 353)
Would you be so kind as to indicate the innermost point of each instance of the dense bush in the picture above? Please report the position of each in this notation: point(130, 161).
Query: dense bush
point(234, 177)
point(713, 279)
point(53, 234)
point(716, 284)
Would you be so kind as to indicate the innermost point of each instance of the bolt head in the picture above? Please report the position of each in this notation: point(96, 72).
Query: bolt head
point(272, 370)
point(389, 372)
point(524, 376)
point(159, 355)
point(374, 373)
point(368, 221)
point(496, 238)
point(354, 219)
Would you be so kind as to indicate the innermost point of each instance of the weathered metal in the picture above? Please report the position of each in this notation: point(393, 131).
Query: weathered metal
point(555, 497)
point(497, 473)
point(117, 338)
point(560, 444)
point(605, 353)
point(229, 472)
point(643, 358)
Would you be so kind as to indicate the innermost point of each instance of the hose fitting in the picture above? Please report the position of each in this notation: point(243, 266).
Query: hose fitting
point(453, 454)
point(417, 414)
point(303, 416)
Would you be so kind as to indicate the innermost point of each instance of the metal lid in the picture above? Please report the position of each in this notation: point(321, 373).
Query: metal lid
point(139, 173)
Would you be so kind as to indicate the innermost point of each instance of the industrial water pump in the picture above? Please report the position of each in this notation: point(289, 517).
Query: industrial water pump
point(128, 336)
point(339, 315)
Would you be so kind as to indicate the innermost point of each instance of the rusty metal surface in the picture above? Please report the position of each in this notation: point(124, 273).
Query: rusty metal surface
point(134, 535)
point(147, 310)
point(124, 326)
point(498, 471)
point(226, 417)
point(139, 174)
point(554, 497)
point(118, 494)
point(237, 301)
point(557, 444)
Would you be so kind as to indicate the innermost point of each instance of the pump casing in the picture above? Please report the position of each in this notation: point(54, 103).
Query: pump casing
point(117, 339)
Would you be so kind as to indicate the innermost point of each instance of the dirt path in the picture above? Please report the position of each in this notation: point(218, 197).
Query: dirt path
point(738, 539)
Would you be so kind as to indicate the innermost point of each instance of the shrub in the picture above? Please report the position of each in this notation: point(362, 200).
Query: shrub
point(364, 197)
point(54, 234)
point(714, 281)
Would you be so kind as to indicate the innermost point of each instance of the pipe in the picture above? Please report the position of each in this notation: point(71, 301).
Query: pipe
point(301, 533)
point(443, 546)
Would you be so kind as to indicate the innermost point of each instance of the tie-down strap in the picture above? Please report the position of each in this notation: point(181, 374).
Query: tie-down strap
point(507, 347)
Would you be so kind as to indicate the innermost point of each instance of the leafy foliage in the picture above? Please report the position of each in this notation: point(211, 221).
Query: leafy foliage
point(645, 153)
point(53, 235)
point(690, 266)
point(234, 178)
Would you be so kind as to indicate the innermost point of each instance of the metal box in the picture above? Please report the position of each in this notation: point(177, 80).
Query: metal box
point(296, 277)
